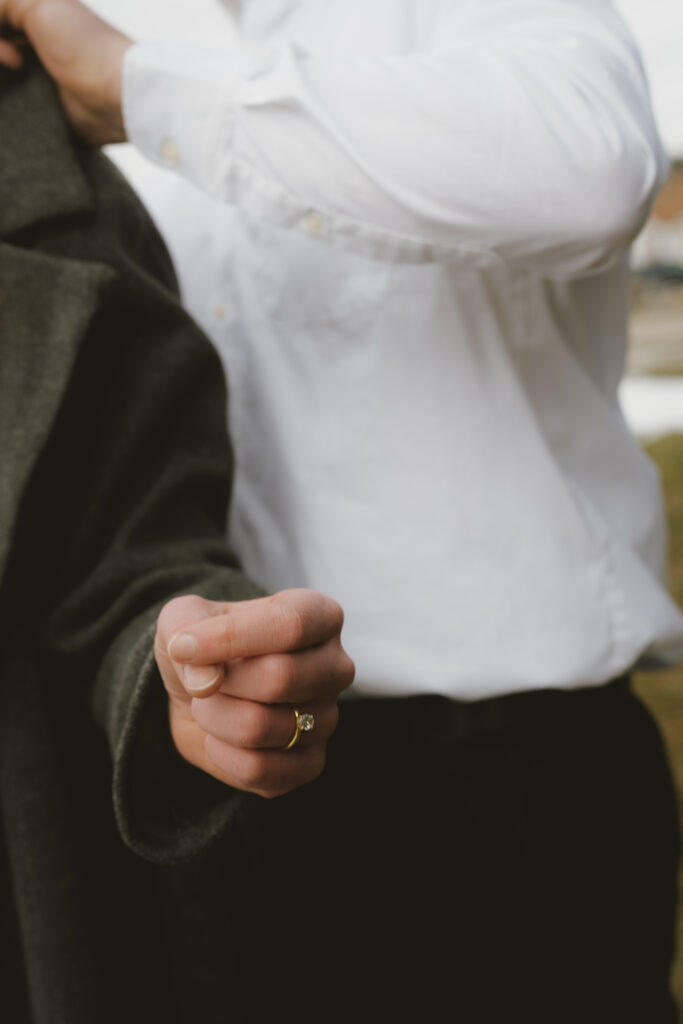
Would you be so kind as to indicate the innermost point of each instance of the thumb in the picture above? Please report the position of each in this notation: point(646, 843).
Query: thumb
point(185, 681)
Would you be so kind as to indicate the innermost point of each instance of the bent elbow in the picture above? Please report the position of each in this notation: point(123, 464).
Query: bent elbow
point(614, 199)
point(628, 192)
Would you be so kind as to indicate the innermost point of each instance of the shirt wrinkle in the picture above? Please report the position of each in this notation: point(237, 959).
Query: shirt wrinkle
point(427, 301)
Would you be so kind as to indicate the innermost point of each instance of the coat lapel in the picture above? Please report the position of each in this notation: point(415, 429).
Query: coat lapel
point(46, 302)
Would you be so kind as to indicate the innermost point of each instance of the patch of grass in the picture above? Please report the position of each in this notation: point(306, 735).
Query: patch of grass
point(665, 371)
point(668, 454)
point(663, 691)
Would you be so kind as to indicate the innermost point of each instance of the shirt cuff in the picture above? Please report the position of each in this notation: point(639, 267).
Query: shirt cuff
point(184, 109)
point(168, 811)
point(178, 107)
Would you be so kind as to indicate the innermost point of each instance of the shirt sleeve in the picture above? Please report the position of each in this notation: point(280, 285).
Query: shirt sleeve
point(524, 133)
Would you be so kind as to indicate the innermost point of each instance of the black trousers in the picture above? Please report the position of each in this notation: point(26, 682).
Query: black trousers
point(513, 859)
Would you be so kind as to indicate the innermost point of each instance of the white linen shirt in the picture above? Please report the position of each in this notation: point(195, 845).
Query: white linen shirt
point(410, 252)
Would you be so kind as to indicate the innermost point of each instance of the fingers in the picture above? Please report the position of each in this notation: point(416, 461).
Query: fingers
point(268, 773)
point(200, 681)
point(11, 55)
point(12, 15)
point(83, 54)
point(264, 656)
point(183, 611)
point(280, 649)
point(317, 673)
point(252, 726)
point(202, 635)
point(288, 621)
point(14, 37)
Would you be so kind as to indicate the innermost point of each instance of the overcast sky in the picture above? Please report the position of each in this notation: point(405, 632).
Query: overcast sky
point(657, 24)
point(658, 27)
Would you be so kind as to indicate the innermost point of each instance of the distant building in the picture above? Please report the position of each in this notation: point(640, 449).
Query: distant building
point(660, 244)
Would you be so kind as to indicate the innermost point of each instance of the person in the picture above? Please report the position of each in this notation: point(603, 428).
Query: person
point(115, 772)
point(416, 274)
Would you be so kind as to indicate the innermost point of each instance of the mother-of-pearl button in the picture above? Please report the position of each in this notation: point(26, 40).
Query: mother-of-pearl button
point(315, 223)
point(170, 152)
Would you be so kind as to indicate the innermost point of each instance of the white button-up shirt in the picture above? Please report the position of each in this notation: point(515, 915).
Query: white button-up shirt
point(410, 251)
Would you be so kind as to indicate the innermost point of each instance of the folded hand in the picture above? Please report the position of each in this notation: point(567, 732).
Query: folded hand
point(83, 54)
point(234, 672)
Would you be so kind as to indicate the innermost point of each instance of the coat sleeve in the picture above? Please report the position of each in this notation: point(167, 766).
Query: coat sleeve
point(127, 509)
point(521, 131)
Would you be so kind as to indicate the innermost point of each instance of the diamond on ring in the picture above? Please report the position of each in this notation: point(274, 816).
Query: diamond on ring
point(303, 722)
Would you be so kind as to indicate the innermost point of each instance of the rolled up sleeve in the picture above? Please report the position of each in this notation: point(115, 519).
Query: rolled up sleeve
point(524, 134)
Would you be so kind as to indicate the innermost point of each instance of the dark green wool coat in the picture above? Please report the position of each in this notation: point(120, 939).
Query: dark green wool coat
point(113, 494)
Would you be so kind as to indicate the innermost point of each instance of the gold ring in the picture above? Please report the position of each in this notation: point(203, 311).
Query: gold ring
point(304, 722)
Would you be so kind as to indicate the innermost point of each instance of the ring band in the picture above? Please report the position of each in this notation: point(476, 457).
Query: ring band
point(304, 722)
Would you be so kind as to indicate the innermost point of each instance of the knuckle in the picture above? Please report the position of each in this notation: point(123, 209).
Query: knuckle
point(178, 612)
point(271, 794)
point(256, 725)
point(307, 613)
point(226, 629)
point(321, 612)
point(340, 670)
point(201, 711)
point(310, 764)
point(291, 626)
point(171, 606)
point(335, 615)
point(279, 676)
point(165, 620)
point(254, 771)
point(348, 670)
point(217, 752)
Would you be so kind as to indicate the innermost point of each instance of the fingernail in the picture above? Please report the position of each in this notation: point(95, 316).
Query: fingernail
point(198, 677)
point(183, 647)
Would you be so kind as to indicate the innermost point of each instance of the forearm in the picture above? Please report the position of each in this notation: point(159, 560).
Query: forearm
point(519, 132)
point(527, 140)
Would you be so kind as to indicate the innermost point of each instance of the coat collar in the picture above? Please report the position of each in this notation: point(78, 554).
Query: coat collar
point(40, 176)
point(47, 302)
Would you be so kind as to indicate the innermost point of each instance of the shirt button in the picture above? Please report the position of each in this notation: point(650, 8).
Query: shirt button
point(221, 310)
point(315, 223)
point(170, 152)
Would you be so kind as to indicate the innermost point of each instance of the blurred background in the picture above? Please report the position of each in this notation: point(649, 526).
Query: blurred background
point(652, 391)
point(655, 365)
